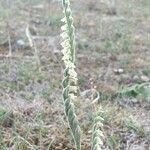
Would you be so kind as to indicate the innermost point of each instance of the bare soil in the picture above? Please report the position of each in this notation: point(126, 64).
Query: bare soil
point(109, 37)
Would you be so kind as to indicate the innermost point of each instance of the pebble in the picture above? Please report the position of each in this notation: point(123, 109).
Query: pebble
point(118, 71)
point(145, 78)
point(136, 78)
point(20, 42)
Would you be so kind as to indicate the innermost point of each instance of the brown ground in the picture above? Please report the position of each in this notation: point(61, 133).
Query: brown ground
point(108, 38)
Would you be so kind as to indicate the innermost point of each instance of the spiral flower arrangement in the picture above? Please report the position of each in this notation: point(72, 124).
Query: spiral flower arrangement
point(70, 76)
point(70, 83)
point(97, 134)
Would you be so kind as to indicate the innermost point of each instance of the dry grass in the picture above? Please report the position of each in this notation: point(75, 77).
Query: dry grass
point(106, 40)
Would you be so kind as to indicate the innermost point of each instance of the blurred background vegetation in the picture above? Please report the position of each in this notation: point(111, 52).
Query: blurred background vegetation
point(113, 55)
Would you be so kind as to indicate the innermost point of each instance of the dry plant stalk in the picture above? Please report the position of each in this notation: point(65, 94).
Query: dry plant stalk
point(33, 46)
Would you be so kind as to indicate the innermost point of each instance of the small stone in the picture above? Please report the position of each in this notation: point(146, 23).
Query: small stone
point(136, 78)
point(20, 43)
point(118, 71)
point(145, 78)
point(40, 6)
